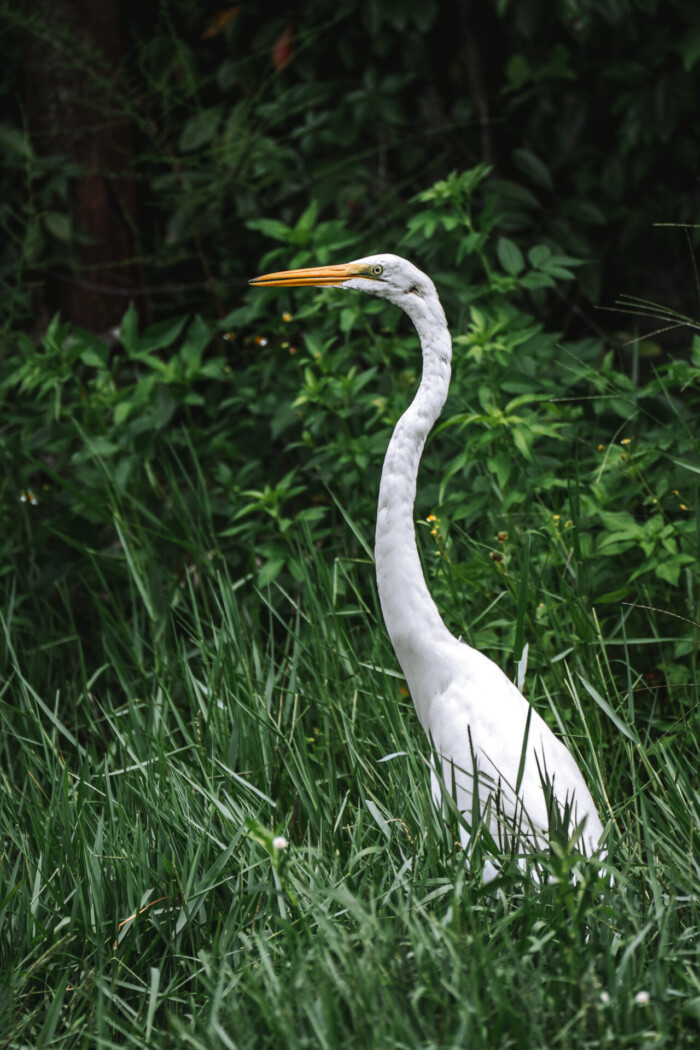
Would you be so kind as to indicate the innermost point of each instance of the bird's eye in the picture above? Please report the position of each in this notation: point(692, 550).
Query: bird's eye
point(377, 270)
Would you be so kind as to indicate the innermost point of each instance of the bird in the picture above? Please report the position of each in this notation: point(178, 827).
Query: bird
point(491, 750)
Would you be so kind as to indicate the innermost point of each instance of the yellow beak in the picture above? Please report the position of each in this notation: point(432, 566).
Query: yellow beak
point(315, 275)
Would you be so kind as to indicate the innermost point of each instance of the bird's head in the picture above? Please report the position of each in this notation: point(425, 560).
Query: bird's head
point(385, 276)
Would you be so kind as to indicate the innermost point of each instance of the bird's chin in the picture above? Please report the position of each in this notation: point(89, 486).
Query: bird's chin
point(366, 285)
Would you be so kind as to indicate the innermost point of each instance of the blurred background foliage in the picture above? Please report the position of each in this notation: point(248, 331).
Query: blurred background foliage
point(584, 109)
point(521, 151)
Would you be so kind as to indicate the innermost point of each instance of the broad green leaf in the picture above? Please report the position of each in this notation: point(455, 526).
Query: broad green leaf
point(199, 129)
point(270, 571)
point(161, 335)
point(539, 255)
point(534, 167)
point(670, 569)
point(521, 442)
point(121, 412)
point(129, 330)
point(510, 256)
point(537, 279)
point(279, 231)
point(58, 225)
point(14, 141)
point(92, 351)
point(196, 341)
point(517, 70)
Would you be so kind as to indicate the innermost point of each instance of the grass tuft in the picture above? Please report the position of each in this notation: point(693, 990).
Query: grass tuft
point(148, 898)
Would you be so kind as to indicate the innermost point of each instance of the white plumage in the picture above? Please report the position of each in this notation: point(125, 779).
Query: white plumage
point(474, 716)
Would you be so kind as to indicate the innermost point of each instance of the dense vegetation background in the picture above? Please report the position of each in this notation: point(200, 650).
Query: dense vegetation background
point(192, 655)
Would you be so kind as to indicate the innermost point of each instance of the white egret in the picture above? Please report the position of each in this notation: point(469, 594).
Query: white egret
point(480, 725)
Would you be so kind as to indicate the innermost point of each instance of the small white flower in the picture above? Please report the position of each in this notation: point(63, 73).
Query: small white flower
point(280, 842)
point(642, 998)
point(604, 998)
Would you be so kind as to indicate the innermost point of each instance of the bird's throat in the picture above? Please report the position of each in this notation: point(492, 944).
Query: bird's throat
point(411, 616)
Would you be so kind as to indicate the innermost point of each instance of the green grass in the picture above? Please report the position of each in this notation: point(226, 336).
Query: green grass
point(164, 722)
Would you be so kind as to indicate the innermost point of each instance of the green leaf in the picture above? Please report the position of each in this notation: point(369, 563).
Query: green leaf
point(692, 467)
point(621, 525)
point(98, 446)
point(196, 341)
point(510, 256)
point(670, 570)
point(692, 1007)
point(521, 443)
point(534, 168)
point(58, 225)
point(161, 335)
point(129, 330)
point(121, 412)
point(607, 709)
point(690, 49)
point(538, 279)
point(92, 351)
point(539, 255)
point(586, 211)
point(307, 222)
point(279, 231)
point(518, 72)
point(199, 129)
point(559, 272)
point(16, 142)
point(500, 465)
point(270, 571)
point(348, 317)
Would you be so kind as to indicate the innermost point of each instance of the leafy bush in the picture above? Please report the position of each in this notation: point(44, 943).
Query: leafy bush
point(355, 108)
point(555, 465)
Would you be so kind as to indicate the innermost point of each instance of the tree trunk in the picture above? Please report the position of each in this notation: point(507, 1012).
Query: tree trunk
point(76, 111)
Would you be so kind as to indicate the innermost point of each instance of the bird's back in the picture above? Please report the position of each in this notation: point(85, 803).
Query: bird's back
point(478, 722)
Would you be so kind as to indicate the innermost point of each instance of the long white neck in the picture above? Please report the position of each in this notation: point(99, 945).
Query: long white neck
point(411, 616)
